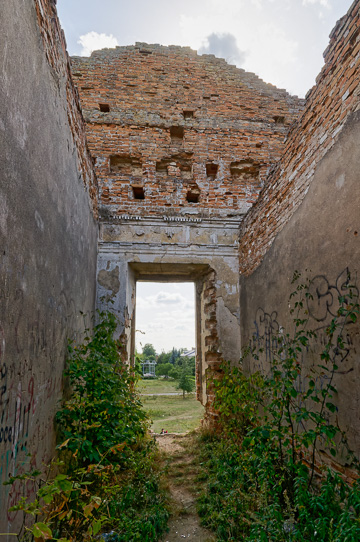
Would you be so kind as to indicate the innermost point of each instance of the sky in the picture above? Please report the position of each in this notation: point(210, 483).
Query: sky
point(165, 315)
point(282, 41)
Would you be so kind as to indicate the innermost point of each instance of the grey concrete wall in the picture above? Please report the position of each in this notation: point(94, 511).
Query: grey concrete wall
point(48, 241)
point(321, 240)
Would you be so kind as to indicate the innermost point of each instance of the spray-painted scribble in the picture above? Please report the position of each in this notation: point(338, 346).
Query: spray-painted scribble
point(264, 337)
point(322, 305)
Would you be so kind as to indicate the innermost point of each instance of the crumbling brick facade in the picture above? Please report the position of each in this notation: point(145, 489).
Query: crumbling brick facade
point(307, 219)
point(328, 105)
point(175, 133)
point(182, 145)
point(57, 56)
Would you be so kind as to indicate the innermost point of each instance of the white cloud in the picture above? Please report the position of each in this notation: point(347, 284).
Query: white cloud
point(166, 314)
point(324, 3)
point(92, 41)
point(164, 298)
point(223, 46)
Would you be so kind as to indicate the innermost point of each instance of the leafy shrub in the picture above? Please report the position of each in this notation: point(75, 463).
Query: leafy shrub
point(104, 410)
point(106, 478)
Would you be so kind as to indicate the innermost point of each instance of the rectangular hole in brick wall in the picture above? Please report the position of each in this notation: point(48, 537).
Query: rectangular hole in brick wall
point(165, 332)
point(104, 108)
point(245, 169)
point(124, 164)
point(193, 194)
point(177, 134)
point(279, 119)
point(162, 167)
point(138, 192)
point(211, 170)
point(188, 115)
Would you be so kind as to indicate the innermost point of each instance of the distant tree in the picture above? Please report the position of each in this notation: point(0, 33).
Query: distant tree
point(174, 373)
point(191, 365)
point(175, 356)
point(164, 358)
point(149, 352)
point(186, 382)
point(163, 369)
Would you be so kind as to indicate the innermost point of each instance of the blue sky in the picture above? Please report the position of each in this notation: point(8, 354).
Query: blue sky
point(282, 41)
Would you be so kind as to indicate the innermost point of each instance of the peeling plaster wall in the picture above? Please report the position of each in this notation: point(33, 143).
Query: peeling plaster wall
point(48, 235)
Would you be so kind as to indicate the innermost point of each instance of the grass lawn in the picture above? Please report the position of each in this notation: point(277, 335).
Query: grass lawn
point(158, 386)
point(173, 413)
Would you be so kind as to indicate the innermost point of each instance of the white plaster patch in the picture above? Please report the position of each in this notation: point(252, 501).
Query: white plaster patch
point(340, 181)
point(20, 127)
point(39, 221)
point(3, 215)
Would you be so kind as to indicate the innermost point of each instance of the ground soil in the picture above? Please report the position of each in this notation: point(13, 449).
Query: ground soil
point(180, 470)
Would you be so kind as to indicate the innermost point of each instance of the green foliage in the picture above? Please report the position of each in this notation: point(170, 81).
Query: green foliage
point(163, 369)
point(148, 353)
point(174, 373)
point(106, 477)
point(186, 381)
point(174, 356)
point(164, 358)
point(261, 477)
point(104, 410)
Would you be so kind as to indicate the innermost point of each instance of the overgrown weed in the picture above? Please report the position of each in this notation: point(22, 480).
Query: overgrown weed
point(261, 475)
point(106, 476)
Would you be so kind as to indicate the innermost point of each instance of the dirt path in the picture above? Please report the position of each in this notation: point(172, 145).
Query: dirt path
point(180, 470)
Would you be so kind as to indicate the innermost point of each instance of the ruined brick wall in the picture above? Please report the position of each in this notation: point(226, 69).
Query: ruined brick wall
point(174, 133)
point(48, 237)
point(307, 219)
point(328, 105)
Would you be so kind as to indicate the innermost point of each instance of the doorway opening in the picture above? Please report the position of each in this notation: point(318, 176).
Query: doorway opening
point(165, 354)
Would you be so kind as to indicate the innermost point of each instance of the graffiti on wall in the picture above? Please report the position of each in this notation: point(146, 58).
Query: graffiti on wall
point(31, 350)
point(322, 305)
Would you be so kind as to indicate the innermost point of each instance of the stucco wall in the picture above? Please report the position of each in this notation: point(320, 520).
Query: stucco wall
point(204, 252)
point(48, 234)
point(308, 219)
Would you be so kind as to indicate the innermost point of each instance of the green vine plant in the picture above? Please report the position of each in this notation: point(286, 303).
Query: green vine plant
point(104, 483)
point(265, 475)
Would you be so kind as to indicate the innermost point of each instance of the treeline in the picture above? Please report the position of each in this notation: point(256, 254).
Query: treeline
point(171, 364)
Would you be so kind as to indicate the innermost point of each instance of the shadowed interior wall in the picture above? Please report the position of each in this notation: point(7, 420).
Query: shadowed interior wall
point(307, 219)
point(48, 235)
